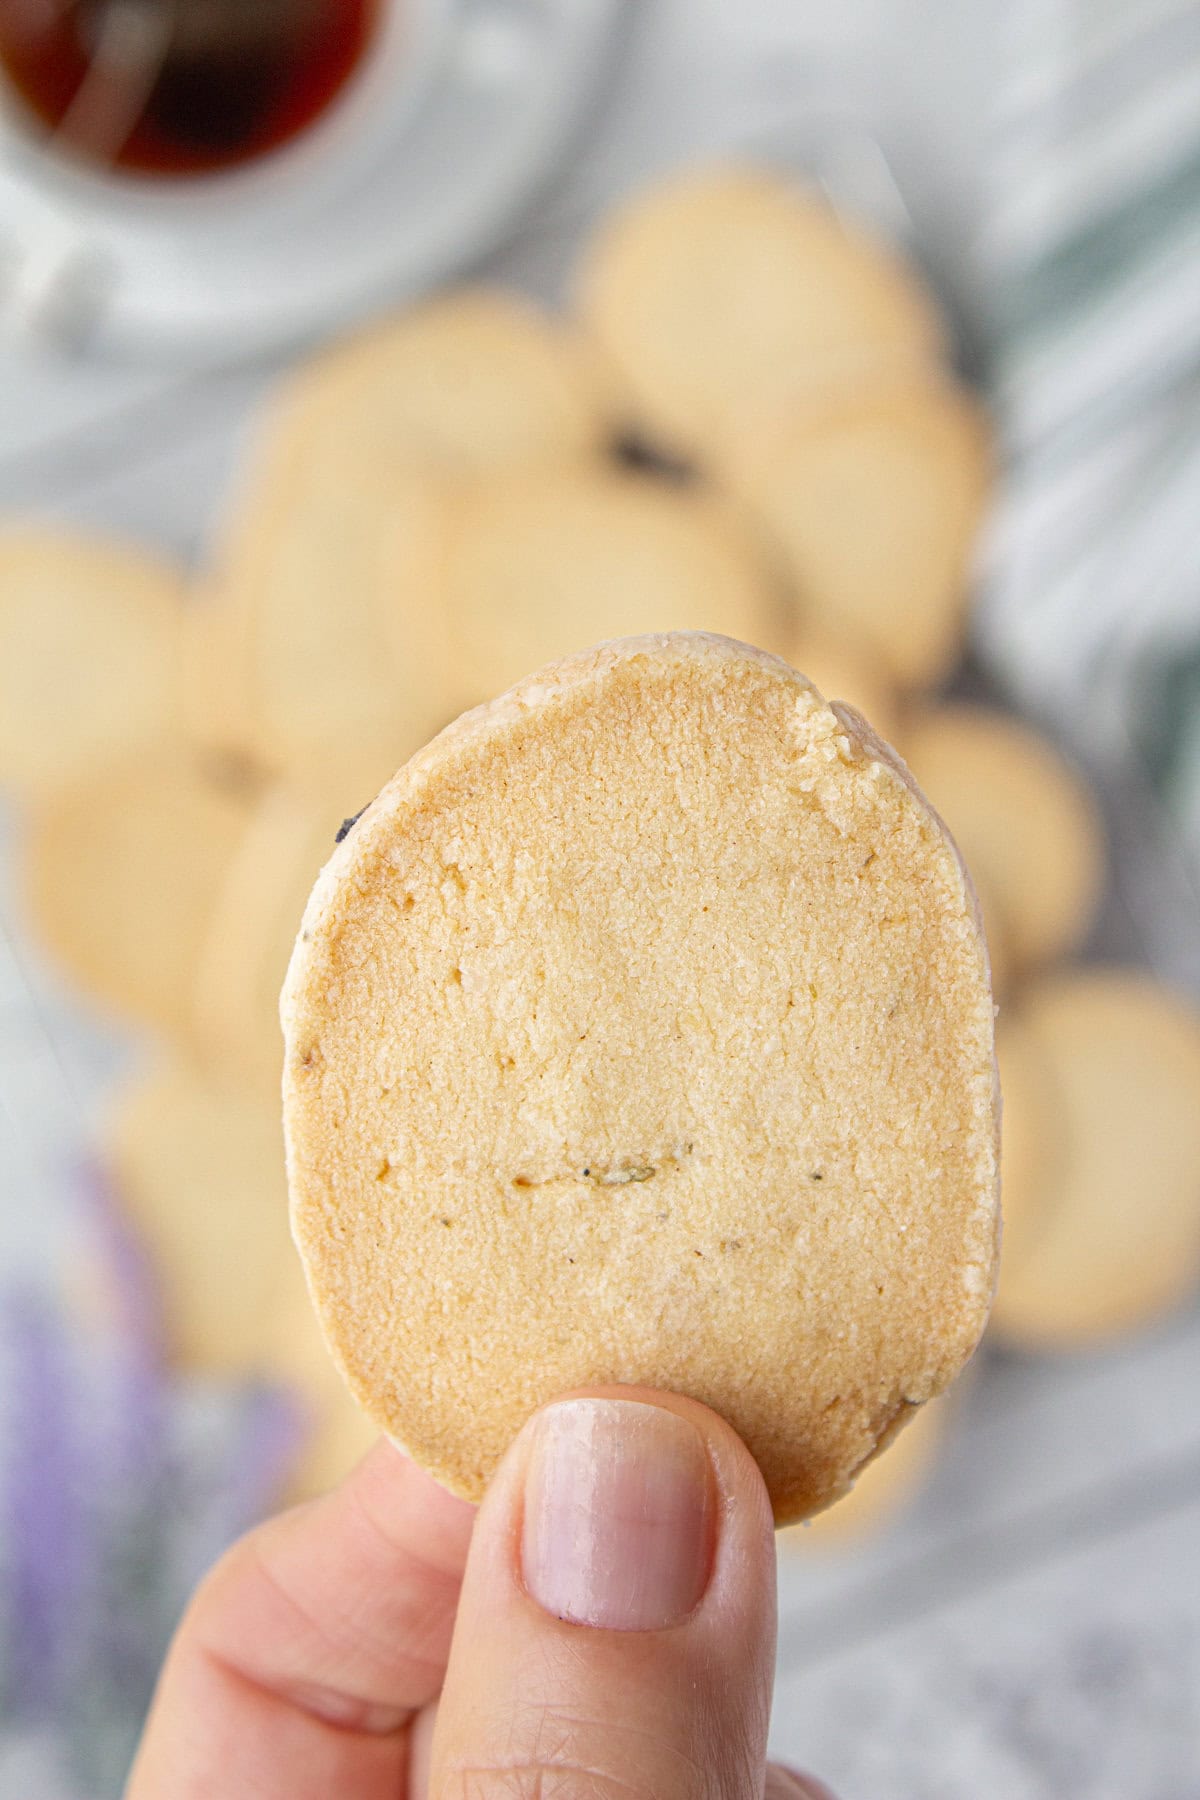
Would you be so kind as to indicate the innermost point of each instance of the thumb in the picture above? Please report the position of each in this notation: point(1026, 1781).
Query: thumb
point(616, 1630)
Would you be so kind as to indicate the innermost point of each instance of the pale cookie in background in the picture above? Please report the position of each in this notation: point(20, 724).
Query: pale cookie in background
point(336, 1433)
point(640, 1032)
point(874, 496)
point(253, 926)
point(217, 689)
point(468, 384)
point(1033, 1142)
point(89, 654)
point(1119, 1243)
point(197, 1167)
point(883, 1490)
point(544, 565)
point(717, 293)
point(1024, 820)
point(319, 639)
point(328, 656)
point(121, 871)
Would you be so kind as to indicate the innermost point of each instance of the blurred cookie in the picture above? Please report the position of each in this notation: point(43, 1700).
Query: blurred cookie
point(326, 653)
point(218, 691)
point(89, 654)
point(468, 384)
point(1024, 820)
point(874, 497)
point(646, 1001)
point(337, 1433)
point(198, 1168)
point(1116, 1242)
point(543, 565)
point(1033, 1144)
point(720, 294)
point(252, 928)
point(320, 644)
point(121, 871)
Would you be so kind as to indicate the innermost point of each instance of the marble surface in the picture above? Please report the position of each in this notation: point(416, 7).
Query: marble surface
point(1031, 1630)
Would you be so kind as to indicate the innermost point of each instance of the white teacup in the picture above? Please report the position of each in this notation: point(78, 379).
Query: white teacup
point(450, 119)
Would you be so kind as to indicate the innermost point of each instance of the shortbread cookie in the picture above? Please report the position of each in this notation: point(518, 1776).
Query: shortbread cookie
point(217, 689)
point(1118, 1243)
point(198, 1168)
point(89, 654)
point(253, 926)
point(121, 871)
point(717, 294)
point(874, 497)
point(1024, 820)
point(544, 565)
point(319, 641)
point(640, 1032)
point(1033, 1142)
point(468, 384)
point(328, 654)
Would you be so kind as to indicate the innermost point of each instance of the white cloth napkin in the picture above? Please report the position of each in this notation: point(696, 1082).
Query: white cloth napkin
point(1090, 610)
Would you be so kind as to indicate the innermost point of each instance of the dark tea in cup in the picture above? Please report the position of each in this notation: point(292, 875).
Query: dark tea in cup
point(179, 87)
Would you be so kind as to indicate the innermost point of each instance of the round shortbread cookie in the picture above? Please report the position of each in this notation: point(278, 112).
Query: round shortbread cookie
point(121, 872)
point(884, 1489)
point(199, 1171)
point(327, 653)
point(252, 928)
point(468, 384)
point(1118, 1241)
point(715, 295)
point(1032, 1141)
point(874, 497)
point(89, 654)
point(1024, 820)
point(545, 565)
point(320, 639)
point(640, 1032)
point(216, 691)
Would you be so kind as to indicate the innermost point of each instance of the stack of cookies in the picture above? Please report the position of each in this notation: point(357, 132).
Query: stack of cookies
point(747, 425)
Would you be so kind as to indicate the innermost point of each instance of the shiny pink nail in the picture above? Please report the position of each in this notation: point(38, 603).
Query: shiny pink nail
point(619, 1515)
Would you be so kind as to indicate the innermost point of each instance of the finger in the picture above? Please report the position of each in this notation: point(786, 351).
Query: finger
point(420, 1745)
point(304, 1654)
point(789, 1784)
point(616, 1630)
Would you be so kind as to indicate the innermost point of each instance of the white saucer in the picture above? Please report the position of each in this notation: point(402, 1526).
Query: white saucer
point(448, 129)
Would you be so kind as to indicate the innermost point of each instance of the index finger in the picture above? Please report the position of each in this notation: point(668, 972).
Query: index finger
point(305, 1652)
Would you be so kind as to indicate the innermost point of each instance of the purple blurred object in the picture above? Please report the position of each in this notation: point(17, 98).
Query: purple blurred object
point(50, 1539)
point(119, 1485)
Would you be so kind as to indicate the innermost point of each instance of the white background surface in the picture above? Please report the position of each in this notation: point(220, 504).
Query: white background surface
point(1032, 1630)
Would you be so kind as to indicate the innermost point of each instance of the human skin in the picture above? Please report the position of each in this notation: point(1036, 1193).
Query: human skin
point(602, 1626)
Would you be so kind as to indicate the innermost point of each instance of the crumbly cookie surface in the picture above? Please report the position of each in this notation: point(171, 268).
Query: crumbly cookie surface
point(640, 1031)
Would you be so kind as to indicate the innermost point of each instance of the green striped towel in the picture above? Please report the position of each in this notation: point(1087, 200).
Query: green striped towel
point(1091, 257)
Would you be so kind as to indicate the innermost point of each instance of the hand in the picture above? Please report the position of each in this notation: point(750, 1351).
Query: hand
point(602, 1629)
